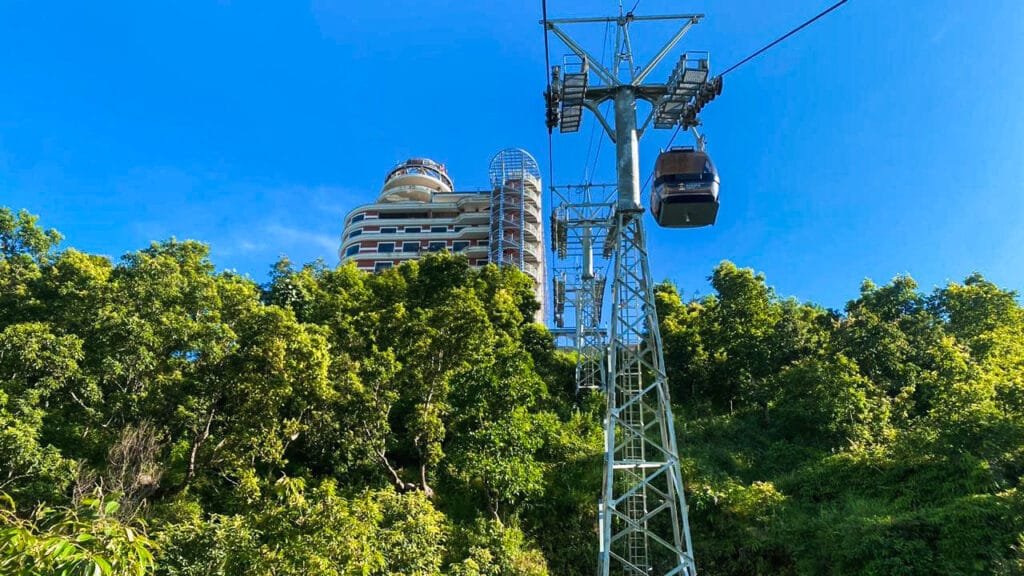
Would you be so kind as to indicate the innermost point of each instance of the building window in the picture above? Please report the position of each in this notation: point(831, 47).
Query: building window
point(410, 247)
point(382, 266)
point(483, 242)
point(459, 228)
point(358, 218)
point(436, 247)
point(355, 233)
point(439, 229)
point(352, 250)
point(388, 230)
point(412, 229)
point(459, 246)
point(385, 247)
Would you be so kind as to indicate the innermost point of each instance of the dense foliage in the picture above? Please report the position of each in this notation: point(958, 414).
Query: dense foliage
point(888, 439)
point(160, 417)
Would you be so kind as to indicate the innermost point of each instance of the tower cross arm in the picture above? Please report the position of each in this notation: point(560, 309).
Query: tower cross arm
point(651, 92)
point(617, 19)
point(593, 107)
point(665, 50)
point(601, 71)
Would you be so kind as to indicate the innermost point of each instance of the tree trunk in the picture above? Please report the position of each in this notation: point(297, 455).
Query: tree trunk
point(396, 479)
point(492, 503)
point(423, 482)
point(200, 438)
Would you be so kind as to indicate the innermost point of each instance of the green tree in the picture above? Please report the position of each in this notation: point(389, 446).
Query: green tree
point(86, 540)
point(37, 368)
point(493, 549)
point(296, 531)
point(24, 248)
point(500, 428)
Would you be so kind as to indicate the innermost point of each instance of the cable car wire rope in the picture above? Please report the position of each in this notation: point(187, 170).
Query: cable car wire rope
point(821, 14)
point(764, 49)
point(593, 127)
point(547, 75)
point(607, 109)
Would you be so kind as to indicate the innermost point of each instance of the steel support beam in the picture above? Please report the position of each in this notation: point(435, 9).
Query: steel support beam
point(627, 157)
point(644, 524)
point(642, 514)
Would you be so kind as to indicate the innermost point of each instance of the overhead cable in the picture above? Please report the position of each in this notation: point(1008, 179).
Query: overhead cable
point(755, 55)
point(783, 37)
point(593, 127)
point(547, 75)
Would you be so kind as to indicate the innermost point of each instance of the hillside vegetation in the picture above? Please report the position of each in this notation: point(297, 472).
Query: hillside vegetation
point(160, 417)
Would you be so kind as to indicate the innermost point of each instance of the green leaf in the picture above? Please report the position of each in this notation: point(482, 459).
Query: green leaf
point(111, 507)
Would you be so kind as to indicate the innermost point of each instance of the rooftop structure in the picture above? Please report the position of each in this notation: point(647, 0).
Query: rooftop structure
point(419, 211)
point(516, 234)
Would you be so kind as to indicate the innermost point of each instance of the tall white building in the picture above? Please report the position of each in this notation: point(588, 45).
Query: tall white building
point(419, 211)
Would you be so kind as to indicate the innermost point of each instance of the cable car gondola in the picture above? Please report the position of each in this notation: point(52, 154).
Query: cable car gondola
point(685, 193)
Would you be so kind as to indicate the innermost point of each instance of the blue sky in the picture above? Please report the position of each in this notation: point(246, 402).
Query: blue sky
point(887, 138)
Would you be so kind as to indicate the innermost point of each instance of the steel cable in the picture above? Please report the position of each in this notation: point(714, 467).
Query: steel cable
point(748, 59)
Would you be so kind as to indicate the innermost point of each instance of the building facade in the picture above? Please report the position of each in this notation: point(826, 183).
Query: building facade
point(516, 235)
point(418, 212)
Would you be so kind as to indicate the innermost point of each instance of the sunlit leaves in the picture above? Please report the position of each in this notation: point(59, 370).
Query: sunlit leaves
point(85, 540)
point(297, 531)
point(881, 427)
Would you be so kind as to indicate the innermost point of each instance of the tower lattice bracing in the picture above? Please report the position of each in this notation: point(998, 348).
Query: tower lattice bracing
point(643, 524)
point(579, 221)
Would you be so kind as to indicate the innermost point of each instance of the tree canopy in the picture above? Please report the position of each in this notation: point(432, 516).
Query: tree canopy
point(159, 416)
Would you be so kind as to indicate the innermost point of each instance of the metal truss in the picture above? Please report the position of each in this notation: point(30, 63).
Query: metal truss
point(590, 342)
point(644, 527)
point(643, 521)
point(580, 221)
point(516, 230)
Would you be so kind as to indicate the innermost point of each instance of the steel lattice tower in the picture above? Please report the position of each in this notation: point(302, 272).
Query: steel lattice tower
point(580, 220)
point(642, 513)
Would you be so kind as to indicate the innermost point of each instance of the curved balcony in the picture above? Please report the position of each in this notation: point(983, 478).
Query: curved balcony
point(475, 251)
point(514, 192)
point(470, 218)
point(471, 232)
point(510, 225)
point(530, 212)
point(531, 186)
point(530, 234)
point(482, 200)
point(512, 250)
point(357, 214)
point(531, 255)
point(420, 172)
point(514, 237)
point(406, 192)
point(533, 271)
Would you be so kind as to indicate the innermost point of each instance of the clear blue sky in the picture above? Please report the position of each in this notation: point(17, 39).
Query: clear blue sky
point(887, 138)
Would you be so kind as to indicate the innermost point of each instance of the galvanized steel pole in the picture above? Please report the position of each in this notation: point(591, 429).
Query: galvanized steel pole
point(626, 153)
point(643, 524)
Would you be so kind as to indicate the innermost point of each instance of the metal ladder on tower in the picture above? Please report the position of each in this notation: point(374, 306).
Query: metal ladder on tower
point(643, 521)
